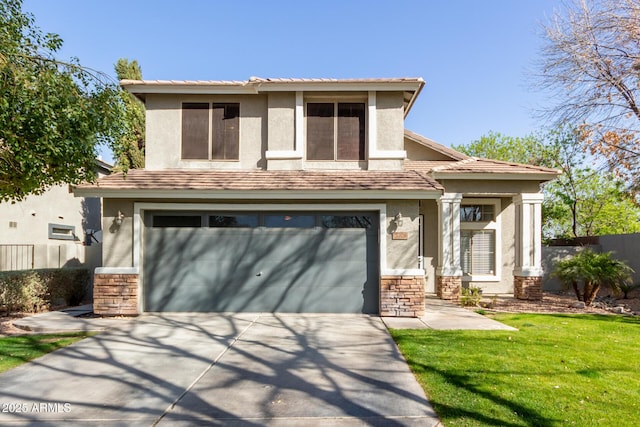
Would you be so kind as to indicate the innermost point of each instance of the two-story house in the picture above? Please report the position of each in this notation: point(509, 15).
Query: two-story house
point(307, 195)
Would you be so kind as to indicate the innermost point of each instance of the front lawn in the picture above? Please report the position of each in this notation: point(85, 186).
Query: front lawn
point(557, 370)
point(17, 350)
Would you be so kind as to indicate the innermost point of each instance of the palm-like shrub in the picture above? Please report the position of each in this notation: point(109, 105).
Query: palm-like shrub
point(589, 271)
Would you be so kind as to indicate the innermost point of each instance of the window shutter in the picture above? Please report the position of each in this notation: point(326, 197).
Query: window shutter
point(226, 135)
point(195, 131)
point(320, 131)
point(351, 131)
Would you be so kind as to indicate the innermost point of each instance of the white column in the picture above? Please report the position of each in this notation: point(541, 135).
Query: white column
point(449, 235)
point(528, 234)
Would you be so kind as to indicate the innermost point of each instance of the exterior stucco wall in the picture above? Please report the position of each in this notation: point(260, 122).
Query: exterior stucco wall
point(489, 188)
point(164, 132)
point(27, 223)
point(403, 254)
point(429, 210)
point(416, 151)
point(390, 120)
point(118, 239)
point(281, 127)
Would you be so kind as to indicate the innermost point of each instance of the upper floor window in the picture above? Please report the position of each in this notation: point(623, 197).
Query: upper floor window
point(210, 131)
point(335, 131)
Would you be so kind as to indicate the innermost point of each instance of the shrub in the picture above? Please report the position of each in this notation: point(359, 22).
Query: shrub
point(23, 291)
point(70, 284)
point(34, 290)
point(588, 271)
point(471, 296)
point(626, 287)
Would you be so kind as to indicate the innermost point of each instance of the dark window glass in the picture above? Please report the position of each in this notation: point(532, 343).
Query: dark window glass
point(346, 221)
point(476, 213)
point(195, 130)
point(290, 221)
point(226, 135)
point(177, 221)
point(351, 131)
point(236, 221)
point(320, 117)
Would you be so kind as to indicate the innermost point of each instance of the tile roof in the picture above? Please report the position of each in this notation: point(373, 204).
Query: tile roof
point(474, 165)
point(260, 80)
point(216, 180)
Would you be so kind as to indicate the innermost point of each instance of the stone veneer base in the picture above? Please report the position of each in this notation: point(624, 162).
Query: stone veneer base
point(115, 294)
point(448, 287)
point(527, 288)
point(402, 296)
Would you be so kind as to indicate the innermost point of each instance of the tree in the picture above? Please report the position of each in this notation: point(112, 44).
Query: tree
point(494, 145)
point(52, 113)
point(580, 202)
point(591, 62)
point(129, 145)
point(588, 271)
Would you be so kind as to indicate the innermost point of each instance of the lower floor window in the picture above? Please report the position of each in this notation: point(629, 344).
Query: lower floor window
point(478, 252)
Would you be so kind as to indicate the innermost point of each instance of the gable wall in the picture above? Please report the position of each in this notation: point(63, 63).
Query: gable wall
point(164, 130)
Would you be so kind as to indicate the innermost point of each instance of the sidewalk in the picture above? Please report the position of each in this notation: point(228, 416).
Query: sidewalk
point(443, 315)
point(66, 320)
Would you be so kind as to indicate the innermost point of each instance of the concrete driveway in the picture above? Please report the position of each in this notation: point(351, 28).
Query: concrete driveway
point(214, 369)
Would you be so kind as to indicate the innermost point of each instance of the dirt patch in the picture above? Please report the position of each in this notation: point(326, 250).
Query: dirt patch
point(566, 302)
point(6, 325)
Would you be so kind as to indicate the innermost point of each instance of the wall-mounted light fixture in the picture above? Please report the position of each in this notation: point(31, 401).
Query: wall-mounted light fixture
point(398, 219)
point(119, 218)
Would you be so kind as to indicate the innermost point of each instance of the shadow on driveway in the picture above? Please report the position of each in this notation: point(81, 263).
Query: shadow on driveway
point(216, 369)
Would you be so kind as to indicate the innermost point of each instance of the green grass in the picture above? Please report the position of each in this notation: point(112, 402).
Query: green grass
point(557, 370)
point(17, 350)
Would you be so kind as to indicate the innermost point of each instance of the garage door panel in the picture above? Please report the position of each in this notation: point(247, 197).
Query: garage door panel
point(261, 269)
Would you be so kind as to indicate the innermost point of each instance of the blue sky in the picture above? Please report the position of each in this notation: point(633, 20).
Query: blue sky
point(473, 54)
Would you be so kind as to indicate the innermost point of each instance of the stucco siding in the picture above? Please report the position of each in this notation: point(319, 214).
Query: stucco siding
point(390, 121)
point(27, 223)
point(429, 209)
point(118, 239)
point(164, 132)
point(281, 127)
point(488, 188)
point(402, 253)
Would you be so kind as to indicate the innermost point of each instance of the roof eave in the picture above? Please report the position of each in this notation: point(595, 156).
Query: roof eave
point(113, 193)
point(515, 176)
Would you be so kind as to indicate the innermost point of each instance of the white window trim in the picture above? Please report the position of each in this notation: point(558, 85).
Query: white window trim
point(494, 225)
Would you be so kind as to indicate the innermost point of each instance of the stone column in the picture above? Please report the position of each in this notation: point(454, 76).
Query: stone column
point(527, 275)
point(449, 272)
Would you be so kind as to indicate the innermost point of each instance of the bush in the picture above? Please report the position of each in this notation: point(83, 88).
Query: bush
point(23, 291)
point(471, 296)
point(70, 284)
point(588, 271)
point(35, 290)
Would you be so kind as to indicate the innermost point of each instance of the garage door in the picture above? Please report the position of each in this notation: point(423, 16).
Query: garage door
point(321, 262)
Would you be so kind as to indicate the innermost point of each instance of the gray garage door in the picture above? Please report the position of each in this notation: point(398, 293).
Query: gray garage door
point(294, 262)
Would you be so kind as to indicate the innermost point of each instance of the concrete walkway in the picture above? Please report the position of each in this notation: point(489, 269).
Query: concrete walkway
point(68, 320)
point(444, 315)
